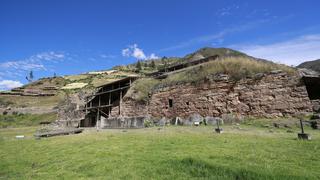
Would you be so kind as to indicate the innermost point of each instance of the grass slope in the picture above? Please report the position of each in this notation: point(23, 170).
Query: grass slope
point(22, 120)
point(169, 153)
point(31, 101)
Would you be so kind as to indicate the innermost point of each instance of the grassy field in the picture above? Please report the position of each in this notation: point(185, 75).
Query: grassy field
point(247, 152)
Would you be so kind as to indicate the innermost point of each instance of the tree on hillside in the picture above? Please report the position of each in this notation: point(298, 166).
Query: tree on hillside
point(153, 64)
point(138, 66)
point(30, 76)
point(163, 59)
point(145, 64)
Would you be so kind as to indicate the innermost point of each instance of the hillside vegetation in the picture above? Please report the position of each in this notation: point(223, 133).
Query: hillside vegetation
point(313, 65)
point(31, 101)
point(149, 66)
point(23, 120)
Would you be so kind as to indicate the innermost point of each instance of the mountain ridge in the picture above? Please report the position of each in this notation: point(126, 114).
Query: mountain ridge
point(313, 65)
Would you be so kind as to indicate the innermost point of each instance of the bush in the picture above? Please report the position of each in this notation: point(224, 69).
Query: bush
point(147, 123)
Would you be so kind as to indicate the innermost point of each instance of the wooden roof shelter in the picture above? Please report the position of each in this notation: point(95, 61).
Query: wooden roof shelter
point(105, 99)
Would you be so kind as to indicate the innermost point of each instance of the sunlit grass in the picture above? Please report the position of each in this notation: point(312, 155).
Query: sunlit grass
point(168, 153)
point(236, 67)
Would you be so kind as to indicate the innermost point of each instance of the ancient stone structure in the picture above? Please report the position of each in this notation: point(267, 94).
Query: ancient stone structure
point(273, 95)
point(276, 94)
point(106, 103)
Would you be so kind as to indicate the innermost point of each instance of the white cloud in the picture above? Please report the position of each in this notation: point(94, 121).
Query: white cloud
point(153, 56)
point(291, 52)
point(35, 62)
point(22, 65)
point(49, 56)
point(136, 52)
point(9, 84)
point(126, 52)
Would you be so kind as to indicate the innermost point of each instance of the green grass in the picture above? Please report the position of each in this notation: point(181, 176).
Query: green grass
point(32, 101)
point(141, 88)
point(21, 120)
point(169, 153)
point(236, 67)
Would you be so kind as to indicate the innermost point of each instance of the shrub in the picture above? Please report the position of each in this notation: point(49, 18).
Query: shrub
point(147, 123)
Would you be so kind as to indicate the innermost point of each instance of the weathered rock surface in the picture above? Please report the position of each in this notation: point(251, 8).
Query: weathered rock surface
point(212, 120)
point(274, 95)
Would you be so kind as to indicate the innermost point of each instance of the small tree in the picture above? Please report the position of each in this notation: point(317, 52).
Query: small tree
point(30, 76)
point(138, 66)
point(153, 64)
point(54, 75)
point(145, 64)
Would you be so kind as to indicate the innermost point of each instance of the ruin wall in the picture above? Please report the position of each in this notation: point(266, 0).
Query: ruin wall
point(272, 95)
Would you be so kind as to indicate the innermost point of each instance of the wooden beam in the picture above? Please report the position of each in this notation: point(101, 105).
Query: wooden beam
point(103, 113)
point(113, 90)
point(99, 100)
point(95, 107)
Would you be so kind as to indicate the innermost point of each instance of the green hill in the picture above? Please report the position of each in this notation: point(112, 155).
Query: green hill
point(149, 66)
point(207, 52)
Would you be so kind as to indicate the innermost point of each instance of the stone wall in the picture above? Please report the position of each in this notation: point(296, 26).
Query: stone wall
point(272, 95)
point(122, 122)
point(130, 108)
point(316, 105)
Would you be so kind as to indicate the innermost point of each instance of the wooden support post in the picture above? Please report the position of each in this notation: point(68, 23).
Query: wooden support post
point(99, 100)
point(302, 135)
point(301, 126)
point(109, 98)
point(86, 105)
point(120, 101)
point(98, 118)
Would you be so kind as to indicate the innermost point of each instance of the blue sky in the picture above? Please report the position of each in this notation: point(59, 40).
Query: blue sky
point(76, 36)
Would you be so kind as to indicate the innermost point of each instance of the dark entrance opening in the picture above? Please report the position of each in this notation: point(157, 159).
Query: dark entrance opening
point(89, 121)
point(170, 103)
point(313, 87)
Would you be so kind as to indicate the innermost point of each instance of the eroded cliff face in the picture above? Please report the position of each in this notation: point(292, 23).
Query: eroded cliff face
point(271, 95)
